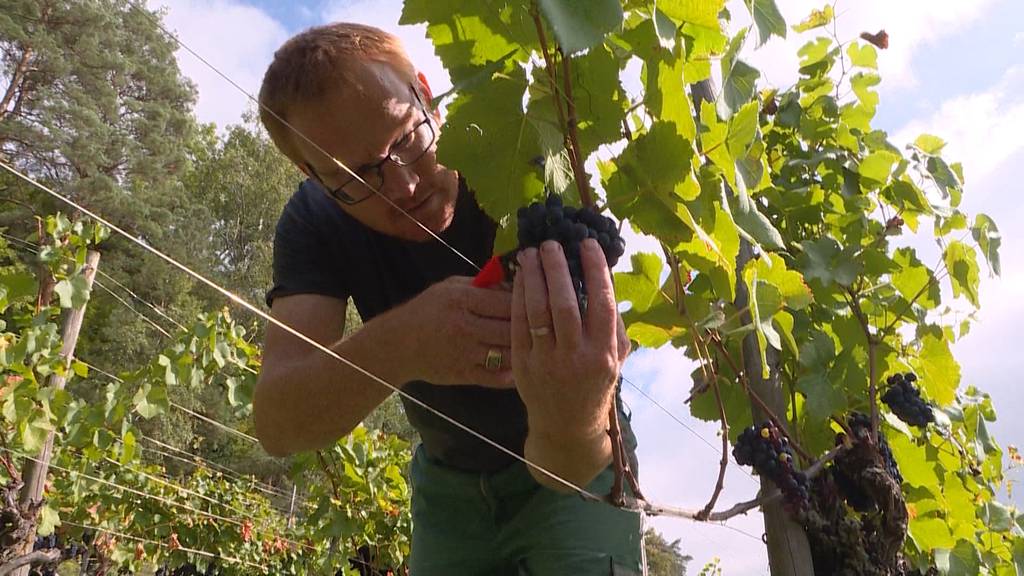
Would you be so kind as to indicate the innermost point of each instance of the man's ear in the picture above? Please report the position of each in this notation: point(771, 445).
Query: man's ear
point(428, 94)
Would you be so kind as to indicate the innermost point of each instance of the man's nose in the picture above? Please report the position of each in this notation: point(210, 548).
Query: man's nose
point(400, 181)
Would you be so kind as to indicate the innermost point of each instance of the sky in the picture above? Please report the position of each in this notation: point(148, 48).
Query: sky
point(954, 69)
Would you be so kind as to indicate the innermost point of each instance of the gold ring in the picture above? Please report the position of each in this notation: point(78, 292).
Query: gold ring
point(493, 360)
point(540, 331)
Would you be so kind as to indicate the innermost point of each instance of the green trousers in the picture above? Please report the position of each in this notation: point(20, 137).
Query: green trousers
point(506, 524)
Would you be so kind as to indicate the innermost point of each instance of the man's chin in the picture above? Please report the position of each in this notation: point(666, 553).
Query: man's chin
point(413, 232)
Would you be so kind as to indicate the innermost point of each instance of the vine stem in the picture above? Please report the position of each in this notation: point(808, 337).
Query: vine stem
point(575, 153)
point(327, 472)
point(680, 303)
point(853, 300)
point(741, 507)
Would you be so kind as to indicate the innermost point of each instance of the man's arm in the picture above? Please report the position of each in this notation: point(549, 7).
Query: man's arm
point(306, 399)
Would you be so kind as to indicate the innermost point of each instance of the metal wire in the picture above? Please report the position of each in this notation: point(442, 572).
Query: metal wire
point(287, 328)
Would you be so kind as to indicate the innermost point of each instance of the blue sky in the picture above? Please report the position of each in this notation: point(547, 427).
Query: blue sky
point(954, 69)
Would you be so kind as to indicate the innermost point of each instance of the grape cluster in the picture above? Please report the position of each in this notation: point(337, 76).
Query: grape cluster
point(569, 225)
point(860, 427)
point(768, 451)
point(904, 399)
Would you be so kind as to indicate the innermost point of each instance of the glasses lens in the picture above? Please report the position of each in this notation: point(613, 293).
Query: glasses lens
point(416, 145)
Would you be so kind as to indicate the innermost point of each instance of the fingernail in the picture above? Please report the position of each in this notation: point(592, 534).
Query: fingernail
point(551, 247)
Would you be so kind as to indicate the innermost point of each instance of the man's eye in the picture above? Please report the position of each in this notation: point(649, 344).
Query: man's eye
point(403, 142)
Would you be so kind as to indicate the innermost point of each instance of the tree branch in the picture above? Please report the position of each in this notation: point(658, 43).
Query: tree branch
point(741, 507)
point(37, 557)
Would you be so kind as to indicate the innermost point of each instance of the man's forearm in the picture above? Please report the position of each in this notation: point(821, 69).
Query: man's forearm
point(315, 399)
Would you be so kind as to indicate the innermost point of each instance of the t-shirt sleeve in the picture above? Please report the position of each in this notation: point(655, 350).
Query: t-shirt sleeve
point(305, 260)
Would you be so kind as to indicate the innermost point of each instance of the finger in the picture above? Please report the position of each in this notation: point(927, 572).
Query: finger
point(482, 354)
point(565, 309)
point(489, 302)
point(538, 312)
point(492, 332)
point(520, 325)
point(601, 309)
point(625, 345)
point(503, 379)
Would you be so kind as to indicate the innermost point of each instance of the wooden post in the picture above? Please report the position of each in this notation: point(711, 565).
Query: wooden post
point(35, 471)
point(789, 553)
point(291, 507)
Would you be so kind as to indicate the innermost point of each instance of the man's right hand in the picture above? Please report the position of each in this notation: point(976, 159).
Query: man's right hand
point(444, 334)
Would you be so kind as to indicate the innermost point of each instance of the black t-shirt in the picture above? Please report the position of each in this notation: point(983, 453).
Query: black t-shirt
point(320, 249)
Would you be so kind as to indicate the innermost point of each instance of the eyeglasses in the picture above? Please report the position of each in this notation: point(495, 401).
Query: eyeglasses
point(406, 151)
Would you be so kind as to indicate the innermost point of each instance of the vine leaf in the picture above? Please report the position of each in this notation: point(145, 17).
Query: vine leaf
point(986, 234)
point(768, 19)
point(816, 19)
point(962, 264)
point(699, 12)
point(581, 25)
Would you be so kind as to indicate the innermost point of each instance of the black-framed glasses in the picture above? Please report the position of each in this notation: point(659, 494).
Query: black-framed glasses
point(406, 151)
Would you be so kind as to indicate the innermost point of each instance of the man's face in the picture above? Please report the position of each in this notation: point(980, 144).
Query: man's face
point(359, 129)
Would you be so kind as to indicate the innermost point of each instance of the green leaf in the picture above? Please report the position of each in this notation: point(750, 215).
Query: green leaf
point(929, 144)
point(877, 166)
point(821, 397)
point(754, 224)
point(937, 370)
point(35, 429)
point(19, 285)
point(128, 446)
point(642, 285)
point(150, 401)
point(816, 19)
point(739, 85)
point(771, 269)
point(949, 183)
point(699, 12)
point(742, 129)
point(863, 55)
point(80, 368)
point(914, 280)
point(640, 183)
point(79, 291)
point(578, 25)
point(930, 533)
point(666, 96)
point(768, 20)
point(469, 36)
point(49, 519)
point(64, 290)
point(825, 261)
point(989, 240)
point(488, 137)
point(962, 265)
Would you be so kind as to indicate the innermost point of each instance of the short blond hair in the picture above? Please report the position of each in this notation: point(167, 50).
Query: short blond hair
point(320, 60)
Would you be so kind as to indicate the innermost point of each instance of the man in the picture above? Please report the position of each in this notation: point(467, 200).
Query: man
point(523, 368)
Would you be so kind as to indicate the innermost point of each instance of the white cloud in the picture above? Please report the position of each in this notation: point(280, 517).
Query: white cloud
point(385, 15)
point(234, 37)
point(1018, 39)
point(912, 26)
point(982, 129)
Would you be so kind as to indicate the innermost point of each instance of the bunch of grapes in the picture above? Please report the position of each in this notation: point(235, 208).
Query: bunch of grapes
point(569, 225)
point(860, 427)
point(768, 451)
point(904, 399)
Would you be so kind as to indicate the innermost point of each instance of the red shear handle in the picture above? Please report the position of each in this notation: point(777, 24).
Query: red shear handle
point(492, 273)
